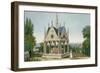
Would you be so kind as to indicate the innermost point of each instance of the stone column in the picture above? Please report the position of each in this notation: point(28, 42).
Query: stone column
point(64, 47)
point(59, 46)
point(50, 46)
point(60, 49)
point(44, 47)
point(68, 47)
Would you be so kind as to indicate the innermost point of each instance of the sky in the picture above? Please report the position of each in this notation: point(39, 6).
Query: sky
point(75, 22)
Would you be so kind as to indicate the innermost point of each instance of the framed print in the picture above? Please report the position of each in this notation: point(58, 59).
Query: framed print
point(52, 36)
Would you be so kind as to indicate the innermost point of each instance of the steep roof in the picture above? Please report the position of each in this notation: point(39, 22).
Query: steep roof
point(60, 29)
point(56, 30)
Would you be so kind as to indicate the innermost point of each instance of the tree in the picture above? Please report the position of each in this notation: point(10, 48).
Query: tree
point(28, 27)
point(86, 42)
point(41, 46)
point(29, 42)
point(29, 39)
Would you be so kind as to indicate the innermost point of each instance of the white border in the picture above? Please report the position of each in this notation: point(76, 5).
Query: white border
point(23, 64)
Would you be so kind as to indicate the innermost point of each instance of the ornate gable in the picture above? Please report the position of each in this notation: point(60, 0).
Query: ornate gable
point(52, 34)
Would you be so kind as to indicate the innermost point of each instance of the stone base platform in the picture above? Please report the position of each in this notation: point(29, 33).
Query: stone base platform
point(52, 56)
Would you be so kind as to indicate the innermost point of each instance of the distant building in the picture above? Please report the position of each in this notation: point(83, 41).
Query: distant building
point(56, 39)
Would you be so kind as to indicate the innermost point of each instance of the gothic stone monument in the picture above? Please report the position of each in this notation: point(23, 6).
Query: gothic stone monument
point(56, 40)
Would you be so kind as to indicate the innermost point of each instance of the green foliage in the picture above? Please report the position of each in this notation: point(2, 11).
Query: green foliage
point(29, 42)
point(86, 42)
point(28, 27)
point(75, 49)
point(29, 39)
point(86, 32)
point(41, 47)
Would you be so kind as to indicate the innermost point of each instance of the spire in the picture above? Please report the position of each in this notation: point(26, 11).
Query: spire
point(68, 40)
point(56, 20)
point(64, 24)
point(68, 33)
point(52, 23)
point(44, 33)
point(48, 25)
point(68, 30)
point(59, 24)
point(44, 29)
